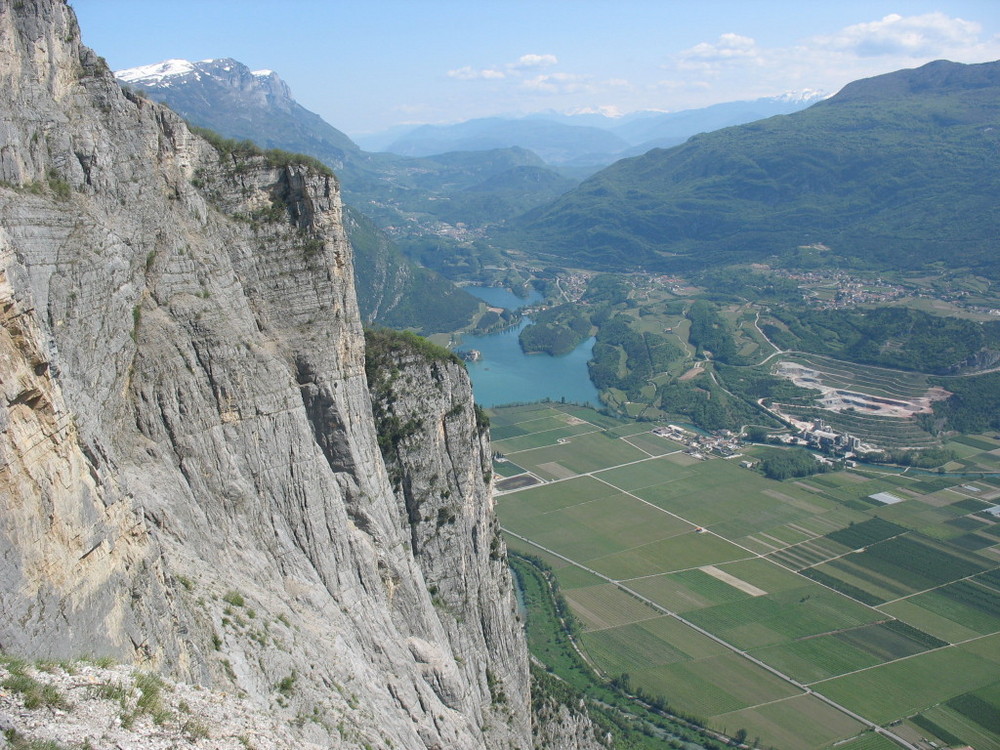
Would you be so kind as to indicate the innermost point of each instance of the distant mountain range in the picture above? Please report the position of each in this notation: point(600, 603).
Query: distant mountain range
point(554, 142)
point(672, 128)
point(224, 95)
point(586, 139)
point(895, 171)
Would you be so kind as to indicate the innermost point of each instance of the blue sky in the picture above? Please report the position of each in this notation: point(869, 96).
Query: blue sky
point(366, 65)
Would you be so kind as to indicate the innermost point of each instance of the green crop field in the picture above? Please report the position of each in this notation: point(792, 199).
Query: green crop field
point(809, 553)
point(519, 414)
point(724, 683)
point(764, 575)
point(652, 444)
point(949, 725)
point(802, 721)
point(545, 499)
point(797, 613)
point(974, 715)
point(911, 611)
point(892, 611)
point(551, 435)
point(901, 688)
point(577, 455)
point(573, 577)
point(507, 468)
point(646, 474)
point(687, 590)
point(968, 604)
point(607, 606)
point(596, 530)
point(869, 741)
point(686, 550)
point(812, 659)
point(622, 649)
point(630, 649)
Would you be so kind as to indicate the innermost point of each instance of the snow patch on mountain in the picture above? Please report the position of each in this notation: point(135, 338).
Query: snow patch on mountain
point(156, 72)
point(804, 95)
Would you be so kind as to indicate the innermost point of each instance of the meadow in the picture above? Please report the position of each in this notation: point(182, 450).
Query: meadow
point(752, 603)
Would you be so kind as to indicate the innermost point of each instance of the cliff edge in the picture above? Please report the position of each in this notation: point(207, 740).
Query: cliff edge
point(190, 473)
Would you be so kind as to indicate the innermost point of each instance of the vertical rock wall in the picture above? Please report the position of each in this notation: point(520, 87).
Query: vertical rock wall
point(427, 423)
point(191, 478)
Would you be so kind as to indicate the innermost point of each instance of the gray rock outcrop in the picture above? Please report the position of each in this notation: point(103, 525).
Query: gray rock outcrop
point(190, 475)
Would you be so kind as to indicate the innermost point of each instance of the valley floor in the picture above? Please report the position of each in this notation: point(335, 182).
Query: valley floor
point(753, 603)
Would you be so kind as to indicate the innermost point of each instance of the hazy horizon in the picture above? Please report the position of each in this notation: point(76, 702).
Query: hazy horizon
point(368, 67)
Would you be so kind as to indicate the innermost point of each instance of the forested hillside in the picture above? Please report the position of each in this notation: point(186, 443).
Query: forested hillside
point(897, 170)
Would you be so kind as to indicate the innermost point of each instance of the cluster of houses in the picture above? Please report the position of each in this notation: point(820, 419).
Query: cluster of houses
point(675, 284)
point(457, 231)
point(816, 435)
point(573, 285)
point(723, 443)
point(848, 290)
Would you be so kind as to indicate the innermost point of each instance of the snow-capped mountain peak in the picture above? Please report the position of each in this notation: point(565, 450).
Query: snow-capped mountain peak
point(156, 72)
point(801, 96)
point(220, 71)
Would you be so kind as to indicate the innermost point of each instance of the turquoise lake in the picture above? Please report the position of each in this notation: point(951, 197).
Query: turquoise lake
point(499, 297)
point(507, 375)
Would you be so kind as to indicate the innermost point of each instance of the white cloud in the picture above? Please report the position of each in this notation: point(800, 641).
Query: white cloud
point(468, 73)
point(557, 83)
point(730, 49)
point(930, 34)
point(517, 69)
point(533, 61)
point(735, 66)
point(525, 74)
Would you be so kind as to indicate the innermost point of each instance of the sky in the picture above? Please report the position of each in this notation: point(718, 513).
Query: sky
point(368, 65)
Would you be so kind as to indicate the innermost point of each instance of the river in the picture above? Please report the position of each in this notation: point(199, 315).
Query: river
point(506, 375)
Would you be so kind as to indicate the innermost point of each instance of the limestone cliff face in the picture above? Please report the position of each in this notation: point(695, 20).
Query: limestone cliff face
point(190, 476)
point(427, 423)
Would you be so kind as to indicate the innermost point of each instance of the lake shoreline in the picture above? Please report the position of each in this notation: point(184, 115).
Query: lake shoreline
point(504, 374)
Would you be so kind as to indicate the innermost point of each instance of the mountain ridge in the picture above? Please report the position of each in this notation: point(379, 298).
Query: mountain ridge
point(637, 131)
point(225, 96)
point(220, 100)
point(411, 200)
point(901, 180)
point(556, 143)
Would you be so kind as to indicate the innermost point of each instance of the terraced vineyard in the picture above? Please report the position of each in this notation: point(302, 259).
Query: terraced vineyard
point(883, 431)
point(875, 381)
point(875, 404)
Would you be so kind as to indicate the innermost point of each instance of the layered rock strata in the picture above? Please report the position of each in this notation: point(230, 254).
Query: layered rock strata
point(190, 474)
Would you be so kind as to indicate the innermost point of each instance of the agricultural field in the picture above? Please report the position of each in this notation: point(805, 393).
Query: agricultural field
point(753, 603)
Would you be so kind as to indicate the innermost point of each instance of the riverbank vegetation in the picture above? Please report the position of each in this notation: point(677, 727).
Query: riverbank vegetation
point(635, 720)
